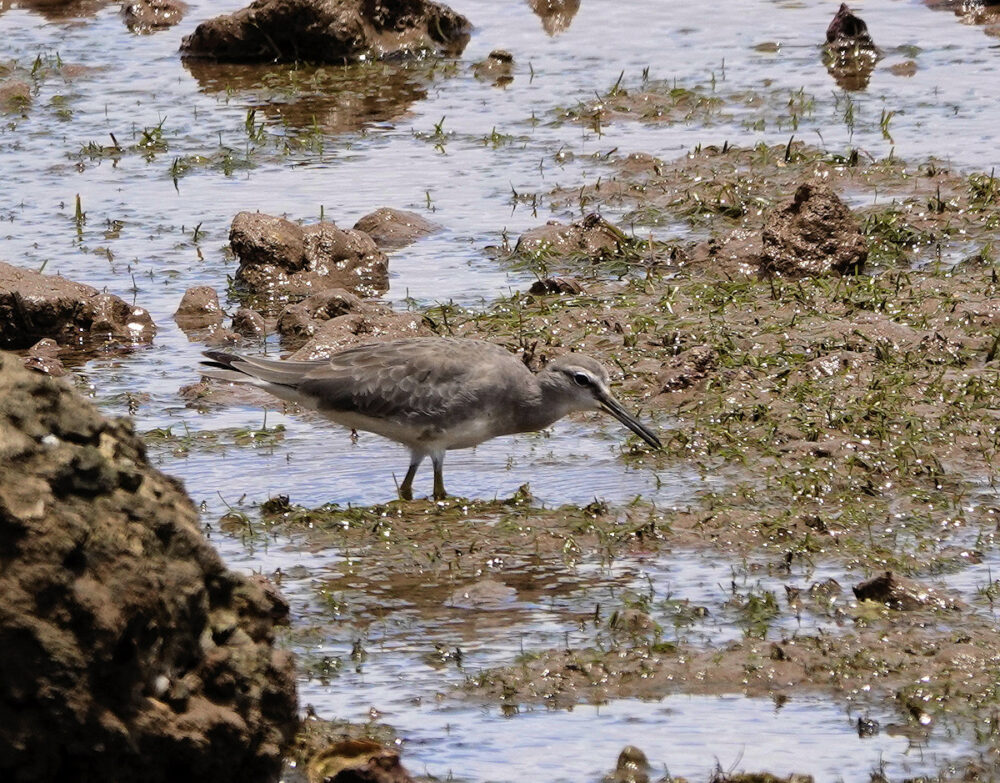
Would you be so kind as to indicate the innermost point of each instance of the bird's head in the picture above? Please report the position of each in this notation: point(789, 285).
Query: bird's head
point(583, 384)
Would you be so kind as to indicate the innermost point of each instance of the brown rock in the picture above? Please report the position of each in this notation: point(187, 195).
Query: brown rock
point(298, 322)
point(43, 356)
point(33, 306)
point(330, 31)
point(815, 234)
point(259, 239)
point(123, 633)
point(393, 228)
point(281, 260)
point(148, 16)
point(592, 236)
point(249, 323)
point(199, 309)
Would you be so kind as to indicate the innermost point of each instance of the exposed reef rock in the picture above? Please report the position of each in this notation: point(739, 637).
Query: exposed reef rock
point(130, 652)
point(33, 306)
point(281, 260)
point(329, 31)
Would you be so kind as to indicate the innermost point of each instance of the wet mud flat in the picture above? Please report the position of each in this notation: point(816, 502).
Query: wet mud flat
point(843, 552)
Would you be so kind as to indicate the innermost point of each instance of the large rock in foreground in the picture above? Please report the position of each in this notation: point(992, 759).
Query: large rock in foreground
point(34, 306)
point(329, 31)
point(281, 260)
point(127, 650)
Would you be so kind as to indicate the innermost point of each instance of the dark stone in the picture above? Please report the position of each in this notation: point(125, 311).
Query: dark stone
point(901, 594)
point(556, 285)
point(846, 27)
point(850, 54)
point(329, 31)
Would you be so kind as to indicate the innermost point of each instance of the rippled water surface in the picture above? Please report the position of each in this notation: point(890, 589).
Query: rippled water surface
point(276, 141)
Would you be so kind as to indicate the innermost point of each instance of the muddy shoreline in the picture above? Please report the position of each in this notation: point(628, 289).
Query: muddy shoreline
point(854, 418)
point(831, 419)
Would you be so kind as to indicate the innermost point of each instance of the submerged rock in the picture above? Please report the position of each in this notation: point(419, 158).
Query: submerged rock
point(850, 54)
point(33, 306)
point(15, 95)
point(280, 259)
point(129, 650)
point(329, 31)
point(393, 228)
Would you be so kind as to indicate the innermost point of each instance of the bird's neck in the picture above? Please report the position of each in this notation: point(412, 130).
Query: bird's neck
point(552, 404)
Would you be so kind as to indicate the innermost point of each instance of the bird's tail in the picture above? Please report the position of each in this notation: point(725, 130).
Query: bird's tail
point(224, 367)
point(258, 369)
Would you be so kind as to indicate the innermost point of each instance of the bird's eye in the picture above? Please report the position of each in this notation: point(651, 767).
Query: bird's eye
point(581, 378)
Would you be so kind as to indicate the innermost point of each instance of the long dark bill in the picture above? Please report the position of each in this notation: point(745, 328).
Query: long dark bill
point(612, 406)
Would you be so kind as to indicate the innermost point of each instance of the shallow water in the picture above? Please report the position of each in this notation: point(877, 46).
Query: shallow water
point(149, 236)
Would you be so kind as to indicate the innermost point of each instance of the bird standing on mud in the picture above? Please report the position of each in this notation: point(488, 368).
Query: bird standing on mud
point(433, 394)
